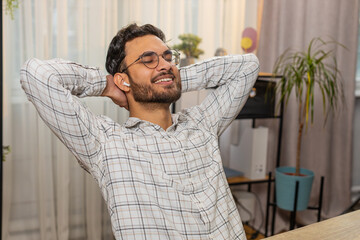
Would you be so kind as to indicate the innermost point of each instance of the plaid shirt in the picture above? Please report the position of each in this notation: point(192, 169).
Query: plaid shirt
point(157, 184)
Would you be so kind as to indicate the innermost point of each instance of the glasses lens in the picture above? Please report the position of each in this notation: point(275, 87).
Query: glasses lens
point(175, 57)
point(150, 59)
point(172, 56)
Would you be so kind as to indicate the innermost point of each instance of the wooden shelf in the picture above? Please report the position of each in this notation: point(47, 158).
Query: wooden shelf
point(244, 180)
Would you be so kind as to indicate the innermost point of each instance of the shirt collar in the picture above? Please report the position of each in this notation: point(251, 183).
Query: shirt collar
point(132, 122)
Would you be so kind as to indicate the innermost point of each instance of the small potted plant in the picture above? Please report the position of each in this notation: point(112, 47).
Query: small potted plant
point(189, 46)
point(10, 7)
point(5, 151)
point(300, 72)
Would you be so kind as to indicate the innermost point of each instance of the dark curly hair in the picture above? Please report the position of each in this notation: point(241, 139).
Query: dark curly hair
point(116, 51)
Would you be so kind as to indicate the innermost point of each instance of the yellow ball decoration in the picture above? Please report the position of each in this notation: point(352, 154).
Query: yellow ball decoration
point(246, 43)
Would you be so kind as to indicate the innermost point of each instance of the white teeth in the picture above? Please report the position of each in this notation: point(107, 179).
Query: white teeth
point(164, 80)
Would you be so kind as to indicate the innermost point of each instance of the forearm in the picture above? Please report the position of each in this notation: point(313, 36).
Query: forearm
point(51, 87)
point(232, 77)
point(217, 71)
point(56, 74)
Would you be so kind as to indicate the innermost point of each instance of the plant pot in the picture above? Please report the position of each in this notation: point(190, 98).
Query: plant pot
point(187, 61)
point(286, 187)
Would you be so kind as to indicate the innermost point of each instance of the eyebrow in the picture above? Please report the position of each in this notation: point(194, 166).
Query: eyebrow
point(169, 49)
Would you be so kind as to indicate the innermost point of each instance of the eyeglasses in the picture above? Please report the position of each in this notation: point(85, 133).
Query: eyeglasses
point(151, 59)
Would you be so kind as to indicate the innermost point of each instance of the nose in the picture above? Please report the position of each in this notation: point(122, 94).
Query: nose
point(163, 64)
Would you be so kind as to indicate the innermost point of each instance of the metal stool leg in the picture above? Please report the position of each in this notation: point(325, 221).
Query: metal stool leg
point(273, 213)
point(293, 213)
point(320, 198)
point(267, 205)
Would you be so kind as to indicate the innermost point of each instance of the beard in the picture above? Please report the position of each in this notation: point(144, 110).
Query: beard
point(148, 94)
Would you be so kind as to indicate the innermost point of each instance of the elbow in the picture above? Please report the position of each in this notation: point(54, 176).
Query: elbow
point(27, 70)
point(251, 61)
point(252, 66)
point(254, 63)
point(254, 59)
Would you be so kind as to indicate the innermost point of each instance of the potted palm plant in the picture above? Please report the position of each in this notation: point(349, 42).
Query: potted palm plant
point(300, 72)
point(189, 46)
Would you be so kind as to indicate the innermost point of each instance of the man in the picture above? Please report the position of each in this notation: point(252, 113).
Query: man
point(160, 174)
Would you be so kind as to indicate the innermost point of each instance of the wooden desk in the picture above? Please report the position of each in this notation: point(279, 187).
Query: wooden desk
point(244, 180)
point(345, 226)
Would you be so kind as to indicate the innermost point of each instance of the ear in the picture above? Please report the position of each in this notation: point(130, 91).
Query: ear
point(121, 81)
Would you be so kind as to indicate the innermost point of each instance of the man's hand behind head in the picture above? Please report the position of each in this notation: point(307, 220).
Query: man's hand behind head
point(115, 93)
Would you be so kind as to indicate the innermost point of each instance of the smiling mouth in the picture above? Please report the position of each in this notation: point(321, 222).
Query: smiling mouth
point(164, 80)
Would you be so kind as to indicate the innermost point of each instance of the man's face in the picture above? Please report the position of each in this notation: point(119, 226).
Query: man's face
point(159, 85)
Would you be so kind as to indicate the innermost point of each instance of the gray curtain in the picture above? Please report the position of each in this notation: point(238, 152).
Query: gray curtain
point(326, 150)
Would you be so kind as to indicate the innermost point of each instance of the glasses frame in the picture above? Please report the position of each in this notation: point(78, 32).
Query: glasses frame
point(158, 60)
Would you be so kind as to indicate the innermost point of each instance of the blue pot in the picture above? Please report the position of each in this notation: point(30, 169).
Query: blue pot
point(285, 188)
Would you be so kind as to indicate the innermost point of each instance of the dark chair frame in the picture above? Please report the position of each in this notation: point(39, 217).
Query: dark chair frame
point(293, 212)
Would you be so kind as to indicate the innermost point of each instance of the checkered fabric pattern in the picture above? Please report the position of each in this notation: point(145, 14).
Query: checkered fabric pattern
point(157, 184)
